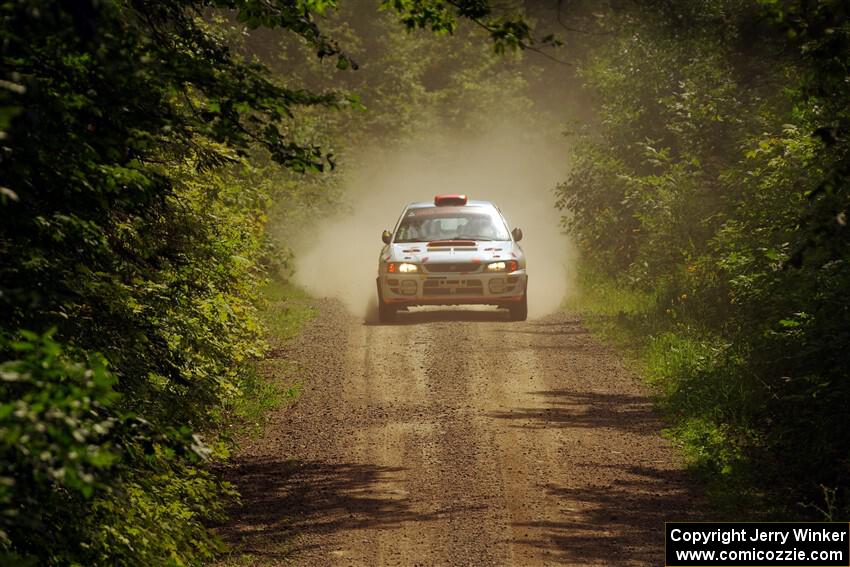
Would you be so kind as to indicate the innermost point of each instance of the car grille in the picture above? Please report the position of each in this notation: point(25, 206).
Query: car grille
point(450, 288)
point(451, 267)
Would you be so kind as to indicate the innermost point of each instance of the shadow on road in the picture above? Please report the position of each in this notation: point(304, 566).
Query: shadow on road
point(281, 499)
point(416, 317)
point(541, 329)
point(616, 514)
point(621, 523)
point(593, 410)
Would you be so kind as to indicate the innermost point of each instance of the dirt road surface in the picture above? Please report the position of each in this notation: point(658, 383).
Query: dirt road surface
point(458, 438)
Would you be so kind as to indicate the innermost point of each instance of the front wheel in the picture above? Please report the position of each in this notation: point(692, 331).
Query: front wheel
point(519, 310)
point(386, 313)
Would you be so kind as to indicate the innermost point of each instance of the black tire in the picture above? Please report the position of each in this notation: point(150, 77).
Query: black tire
point(519, 310)
point(386, 313)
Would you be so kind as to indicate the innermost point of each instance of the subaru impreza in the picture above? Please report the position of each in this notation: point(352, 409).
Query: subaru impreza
point(452, 251)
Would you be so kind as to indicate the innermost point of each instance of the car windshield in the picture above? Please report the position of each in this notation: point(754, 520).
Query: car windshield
point(450, 223)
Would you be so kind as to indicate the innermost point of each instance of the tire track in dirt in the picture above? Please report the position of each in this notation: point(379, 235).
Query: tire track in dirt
point(458, 438)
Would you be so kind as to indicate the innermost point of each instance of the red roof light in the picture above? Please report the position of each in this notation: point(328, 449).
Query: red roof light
point(449, 200)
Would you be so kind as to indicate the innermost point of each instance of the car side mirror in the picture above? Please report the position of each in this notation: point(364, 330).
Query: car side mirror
point(386, 236)
point(517, 233)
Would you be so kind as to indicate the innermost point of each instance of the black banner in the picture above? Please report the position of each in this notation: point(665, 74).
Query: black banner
point(758, 544)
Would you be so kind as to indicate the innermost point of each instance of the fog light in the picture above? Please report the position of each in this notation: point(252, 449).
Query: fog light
point(497, 285)
point(408, 287)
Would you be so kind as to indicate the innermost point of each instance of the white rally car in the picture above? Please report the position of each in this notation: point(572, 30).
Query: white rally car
point(452, 252)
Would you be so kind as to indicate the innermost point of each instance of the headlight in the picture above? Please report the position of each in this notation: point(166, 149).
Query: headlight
point(402, 268)
point(507, 266)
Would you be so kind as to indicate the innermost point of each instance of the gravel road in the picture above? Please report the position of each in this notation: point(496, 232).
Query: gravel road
point(458, 438)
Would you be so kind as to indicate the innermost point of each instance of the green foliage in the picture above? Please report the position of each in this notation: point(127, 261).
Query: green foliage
point(128, 229)
point(57, 428)
point(440, 16)
point(143, 145)
point(68, 451)
point(716, 181)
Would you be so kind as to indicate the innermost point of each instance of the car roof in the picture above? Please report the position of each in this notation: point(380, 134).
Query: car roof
point(430, 204)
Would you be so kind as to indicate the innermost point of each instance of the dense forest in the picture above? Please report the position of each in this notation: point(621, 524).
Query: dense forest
point(713, 187)
point(159, 157)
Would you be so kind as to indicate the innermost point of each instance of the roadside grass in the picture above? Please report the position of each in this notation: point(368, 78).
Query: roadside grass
point(274, 381)
point(287, 309)
point(271, 383)
point(610, 310)
point(696, 382)
point(277, 552)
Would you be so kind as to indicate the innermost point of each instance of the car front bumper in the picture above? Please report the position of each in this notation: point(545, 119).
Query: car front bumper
point(454, 289)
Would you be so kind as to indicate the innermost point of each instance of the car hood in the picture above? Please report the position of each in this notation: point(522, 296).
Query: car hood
point(452, 251)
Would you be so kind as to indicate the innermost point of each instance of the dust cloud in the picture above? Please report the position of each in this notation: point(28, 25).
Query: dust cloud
point(506, 165)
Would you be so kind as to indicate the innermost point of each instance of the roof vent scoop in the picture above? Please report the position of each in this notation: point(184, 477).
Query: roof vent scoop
point(449, 200)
